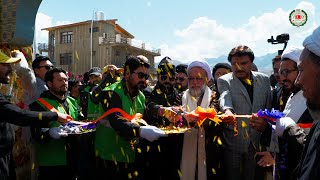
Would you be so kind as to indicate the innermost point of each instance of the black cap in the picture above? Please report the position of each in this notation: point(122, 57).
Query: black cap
point(182, 68)
point(166, 66)
point(95, 71)
point(220, 65)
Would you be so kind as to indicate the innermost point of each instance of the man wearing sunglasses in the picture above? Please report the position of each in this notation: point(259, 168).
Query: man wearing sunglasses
point(159, 113)
point(116, 137)
point(181, 82)
point(40, 65)
point(164, 95)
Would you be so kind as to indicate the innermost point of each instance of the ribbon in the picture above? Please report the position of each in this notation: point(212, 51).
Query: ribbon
point(270, 116)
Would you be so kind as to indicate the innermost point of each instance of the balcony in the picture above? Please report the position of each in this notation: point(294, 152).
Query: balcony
point(127, 41)
point(43, 47)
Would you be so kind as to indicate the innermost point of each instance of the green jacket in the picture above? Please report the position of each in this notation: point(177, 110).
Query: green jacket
point(114, 142)
point(90, 110)
point(52, 152)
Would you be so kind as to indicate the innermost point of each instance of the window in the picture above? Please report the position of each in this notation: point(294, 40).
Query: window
point(95, 29)
point(65, 59)
point(66, 37)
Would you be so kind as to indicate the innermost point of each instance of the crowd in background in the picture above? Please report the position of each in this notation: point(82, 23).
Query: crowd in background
point(124, 149)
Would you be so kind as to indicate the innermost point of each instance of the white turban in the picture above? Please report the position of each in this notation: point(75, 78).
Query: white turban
point(202, 64)
point(312, 42)
point(292, 53)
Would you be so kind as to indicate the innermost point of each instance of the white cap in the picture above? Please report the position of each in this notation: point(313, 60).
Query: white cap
point(292, 53)
point(312, 42)
point(202, 64)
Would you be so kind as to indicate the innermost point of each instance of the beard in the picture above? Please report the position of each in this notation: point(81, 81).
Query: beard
point(141, 85)
point(60, 91)
point(313, 103)
point(197, 91)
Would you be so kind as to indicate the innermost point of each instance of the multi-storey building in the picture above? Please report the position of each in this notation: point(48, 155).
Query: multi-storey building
point(79, 46)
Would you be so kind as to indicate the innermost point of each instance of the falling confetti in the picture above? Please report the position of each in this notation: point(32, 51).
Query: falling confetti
point(243, 124)
point(214, 171)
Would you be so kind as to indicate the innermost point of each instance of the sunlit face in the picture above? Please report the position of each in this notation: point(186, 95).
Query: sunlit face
point(42, 69)
point(166, 79)
point(197, 81)
point(308, 80)
point(276, 74)
point(181, 81)
point(137, 78)
point(288, 74)
point(59, 84)
point(241, 66)
point(5, 71)
point(220, 72)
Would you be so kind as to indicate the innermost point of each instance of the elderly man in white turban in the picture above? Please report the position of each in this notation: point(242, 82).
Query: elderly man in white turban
point(309, 81)
point(295, 111)
point(194, 154)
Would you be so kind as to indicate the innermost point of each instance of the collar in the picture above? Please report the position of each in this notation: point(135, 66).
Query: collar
point(48, 94)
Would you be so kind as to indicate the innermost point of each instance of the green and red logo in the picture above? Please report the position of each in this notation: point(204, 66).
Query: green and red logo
point(298, 17)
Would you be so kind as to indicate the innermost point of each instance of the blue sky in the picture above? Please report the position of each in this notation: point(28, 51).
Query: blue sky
point(189, 30)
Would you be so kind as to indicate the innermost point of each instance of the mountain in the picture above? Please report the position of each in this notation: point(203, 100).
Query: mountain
point(264, 63)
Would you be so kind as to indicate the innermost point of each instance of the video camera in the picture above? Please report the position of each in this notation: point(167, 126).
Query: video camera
point(280, 39)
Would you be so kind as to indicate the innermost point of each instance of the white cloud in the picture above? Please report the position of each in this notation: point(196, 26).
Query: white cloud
point(208, 38)
point(45, 21)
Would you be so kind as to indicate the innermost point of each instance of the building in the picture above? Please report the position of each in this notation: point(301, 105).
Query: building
point(70, 45)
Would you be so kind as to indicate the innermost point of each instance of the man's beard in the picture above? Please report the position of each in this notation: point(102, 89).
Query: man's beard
point(59, 91)
point(197, 91)
point(141, 85)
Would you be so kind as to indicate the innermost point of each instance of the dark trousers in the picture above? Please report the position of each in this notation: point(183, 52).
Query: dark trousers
point(7, 167)
point(81, 155)
point(112, 170)
point(239, 165)
point(55, 173)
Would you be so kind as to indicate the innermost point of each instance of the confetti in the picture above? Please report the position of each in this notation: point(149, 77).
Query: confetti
point(214, 171)
point(243, 124)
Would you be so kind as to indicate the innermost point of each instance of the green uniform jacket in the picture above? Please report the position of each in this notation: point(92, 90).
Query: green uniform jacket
point(114, 141)
point(52, 152)
point(89, 109)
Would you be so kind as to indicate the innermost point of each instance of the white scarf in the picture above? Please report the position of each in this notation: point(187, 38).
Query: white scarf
point(295, 107)
point(194, 151)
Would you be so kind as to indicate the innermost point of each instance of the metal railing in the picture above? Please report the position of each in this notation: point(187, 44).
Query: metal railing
point(128, 41)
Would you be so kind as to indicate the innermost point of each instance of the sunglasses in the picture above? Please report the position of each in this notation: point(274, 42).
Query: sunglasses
point(142, 75)
point(180, 79)
point(47, 67)
point(165, 77)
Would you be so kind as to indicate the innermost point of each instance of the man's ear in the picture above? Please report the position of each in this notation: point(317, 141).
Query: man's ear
point(49, 84)
point(36, 71)
point(127, 75)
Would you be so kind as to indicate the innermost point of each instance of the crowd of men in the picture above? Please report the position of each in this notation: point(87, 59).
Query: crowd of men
point(124, 149)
